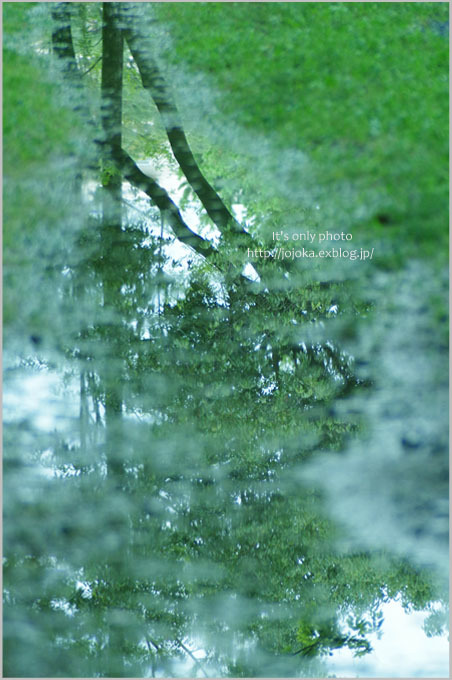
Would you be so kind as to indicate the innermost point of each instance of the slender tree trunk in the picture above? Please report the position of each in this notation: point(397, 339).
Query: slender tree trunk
point(111, 111)
point(63, 48)
point(62, 36)
point(112, 277)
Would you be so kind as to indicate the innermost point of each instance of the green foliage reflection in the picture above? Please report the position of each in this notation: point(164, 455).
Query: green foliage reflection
point(194, 446)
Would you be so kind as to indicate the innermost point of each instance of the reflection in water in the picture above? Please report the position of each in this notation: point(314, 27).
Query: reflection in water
point(403, 650)
point(202, 514)
point(211, 469)
point(193, 522)
point(234, 531)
